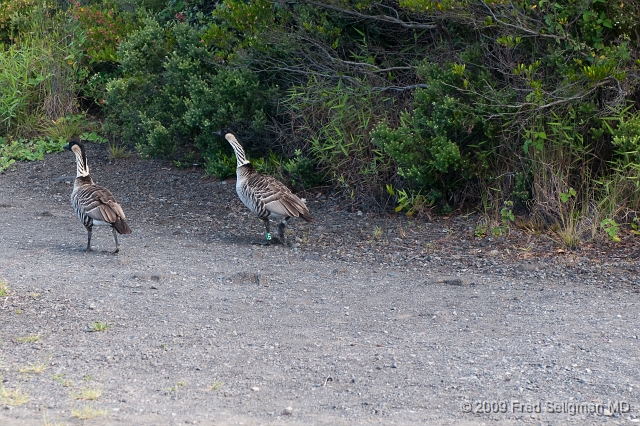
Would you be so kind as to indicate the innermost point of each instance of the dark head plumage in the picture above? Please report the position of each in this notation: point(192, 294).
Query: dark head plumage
point(76, 142)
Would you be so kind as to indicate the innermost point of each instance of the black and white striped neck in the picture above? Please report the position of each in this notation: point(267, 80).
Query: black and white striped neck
point(241, 158)
point(82, 167)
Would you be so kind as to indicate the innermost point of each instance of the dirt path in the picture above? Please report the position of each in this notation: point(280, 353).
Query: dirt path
point(346, 327)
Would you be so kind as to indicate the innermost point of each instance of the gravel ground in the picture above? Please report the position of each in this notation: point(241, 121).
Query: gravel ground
point(365, 319)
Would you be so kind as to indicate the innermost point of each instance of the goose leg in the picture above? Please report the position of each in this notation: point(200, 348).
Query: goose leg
point(115, 237)
point(281, 227)
point(267, 234)
point(89, 229)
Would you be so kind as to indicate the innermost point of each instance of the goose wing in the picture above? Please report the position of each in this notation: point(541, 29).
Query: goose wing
point(101, 205)
point(278, 199)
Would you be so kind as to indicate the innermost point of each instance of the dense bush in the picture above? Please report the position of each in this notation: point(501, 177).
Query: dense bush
point(530, 92)
point(173, 94)
point(525, 105)
point(445, 143)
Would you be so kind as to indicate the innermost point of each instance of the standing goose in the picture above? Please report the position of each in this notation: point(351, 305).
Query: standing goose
point(263, 195)
point(94, 204)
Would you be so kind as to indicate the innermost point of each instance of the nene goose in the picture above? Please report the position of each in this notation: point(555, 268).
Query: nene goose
point(263, 195)
point(94, 204)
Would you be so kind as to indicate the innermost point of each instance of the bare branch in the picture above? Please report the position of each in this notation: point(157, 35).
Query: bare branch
point(380, 18)
point(399, 88)
point(523, 29)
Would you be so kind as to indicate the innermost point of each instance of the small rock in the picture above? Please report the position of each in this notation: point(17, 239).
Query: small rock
point(448, 281)
point(255, 389)
point(453, 281)
point(287, 411)
point(92, 306)
point(359, 213)
point(244, 278)
point(142, 277)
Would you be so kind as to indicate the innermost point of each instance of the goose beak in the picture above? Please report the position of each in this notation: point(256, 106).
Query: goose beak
point(219, 133)
point(67, 147)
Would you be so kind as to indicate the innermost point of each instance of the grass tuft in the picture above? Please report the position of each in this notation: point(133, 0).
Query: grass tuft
point(47, 422)
point(4, 288)
point(217, 385)
point(28, 339)
point(98, 326)
point(60, 378)
point(87, 412)
point(13, 397)
point(88, 394)
point(377, 233)
point(33, 369)
point(117, 151)
point(176, 387)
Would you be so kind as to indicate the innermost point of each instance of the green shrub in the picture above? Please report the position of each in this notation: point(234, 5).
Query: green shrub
point(302, 171)
point(171, 94)
point(451, 102)
point(445, 142)
point(104, 27)
point(220, 165)
point(12, 14)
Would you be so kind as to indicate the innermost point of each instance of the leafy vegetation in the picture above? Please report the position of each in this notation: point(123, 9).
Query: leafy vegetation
point(519, 107)
point(99, 326)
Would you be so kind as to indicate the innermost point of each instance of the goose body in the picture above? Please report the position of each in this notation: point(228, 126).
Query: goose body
point(265, 196)
point(94, 204)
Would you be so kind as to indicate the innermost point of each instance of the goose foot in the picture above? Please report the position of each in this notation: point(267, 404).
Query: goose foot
point(267, 242)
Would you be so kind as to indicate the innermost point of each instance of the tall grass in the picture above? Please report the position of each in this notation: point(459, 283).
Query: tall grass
point(19, 85)
point(332, 124)
point(39, 72)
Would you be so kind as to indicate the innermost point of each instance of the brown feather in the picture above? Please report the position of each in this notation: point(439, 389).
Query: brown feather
point(121, 226)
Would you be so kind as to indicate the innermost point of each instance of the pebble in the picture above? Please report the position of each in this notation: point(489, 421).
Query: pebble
point(287, 411)
point(255, 389)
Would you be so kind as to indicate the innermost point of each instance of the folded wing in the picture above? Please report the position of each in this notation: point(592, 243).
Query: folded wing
point(101, 205)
